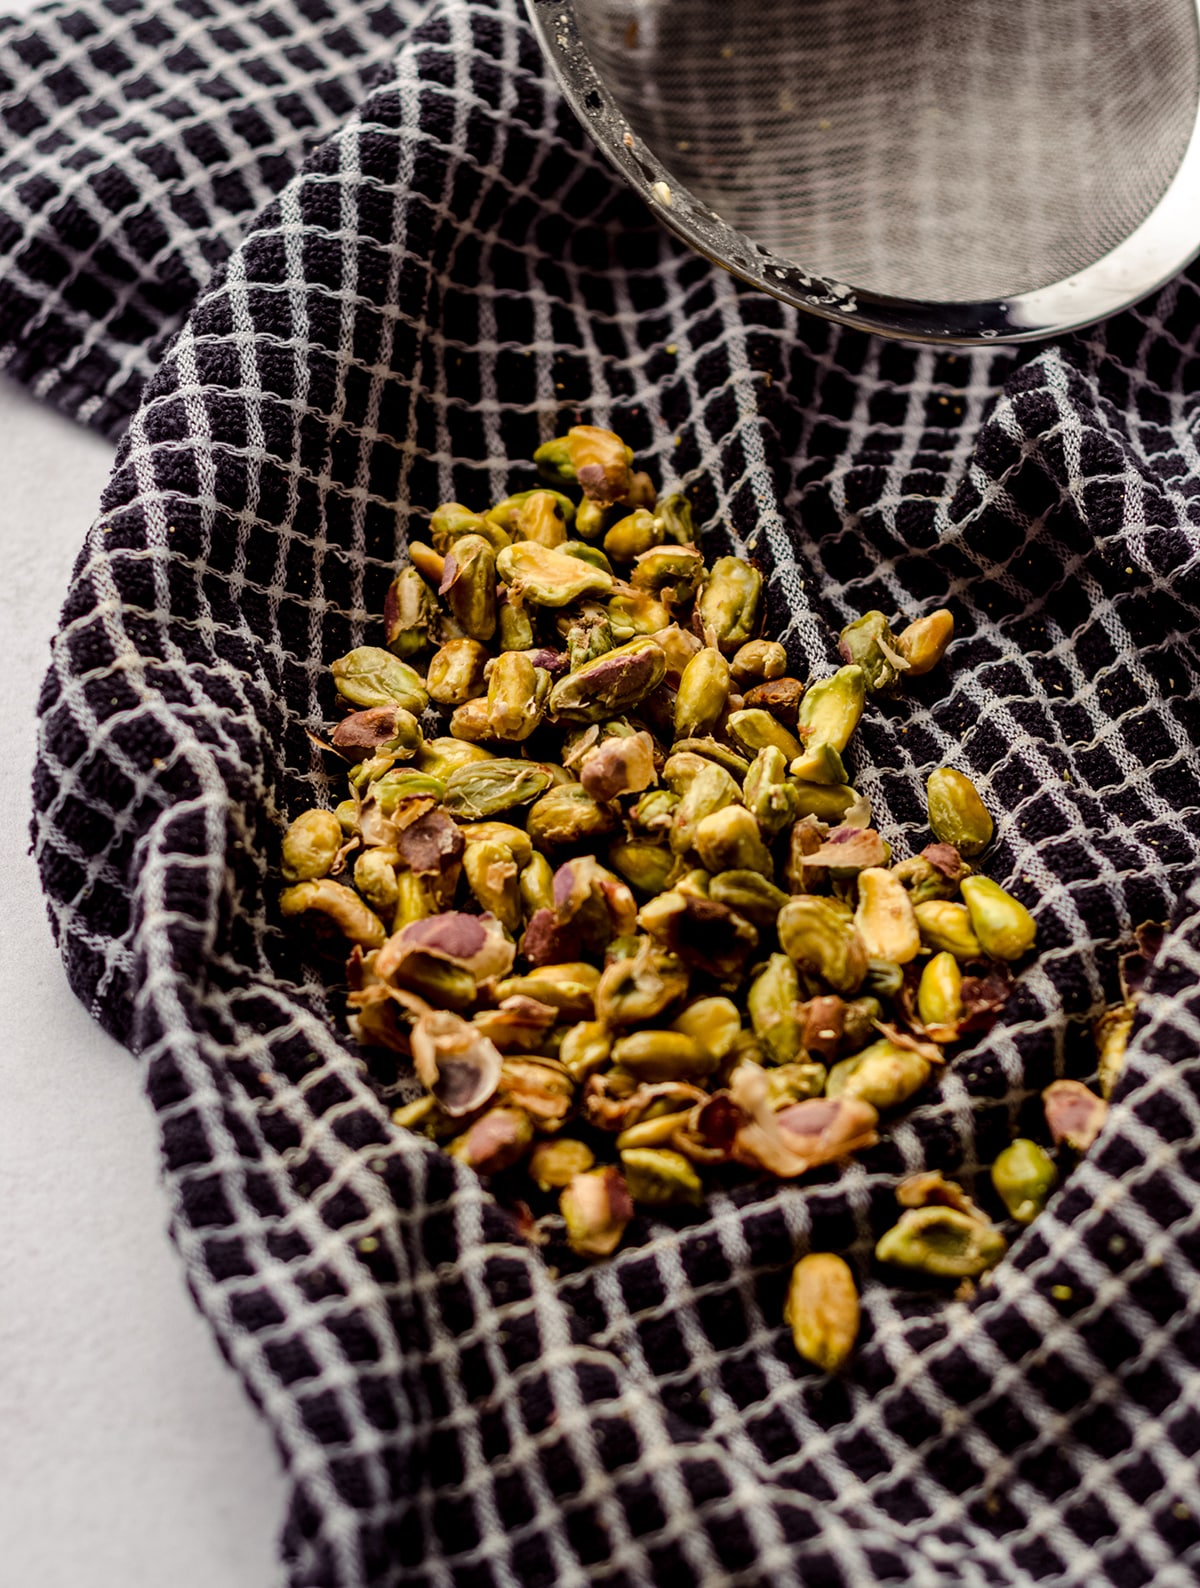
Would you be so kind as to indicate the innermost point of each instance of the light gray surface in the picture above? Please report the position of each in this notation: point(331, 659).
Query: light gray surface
point(128, 1453)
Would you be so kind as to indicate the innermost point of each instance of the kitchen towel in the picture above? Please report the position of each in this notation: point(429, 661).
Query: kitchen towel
point(323, 267)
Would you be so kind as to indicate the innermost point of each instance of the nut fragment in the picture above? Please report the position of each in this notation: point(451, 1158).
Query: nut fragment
point(596, 1207)
point(311, 845)
point(1024, 1176)
point(1075, 1116)
point(942, 1241)
point(822, 1310)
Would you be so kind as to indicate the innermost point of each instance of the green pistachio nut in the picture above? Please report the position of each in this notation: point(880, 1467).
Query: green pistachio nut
point(452, 520)
point(337, 904)
point(674, 513)
point(870, 644)
point(637, 612)
point(553, 460)
point(395, 789)
point(712, 1022)
point(831, 708)
point(956, 813)
point(645, 865)
point(946, 927)
point(884, 917)
point(536, 884)
point(769, 794)
point(516, 697)
point(1024, 1176)
point(939, 997)
point(549, 578)
point(514, 626)
point(773, 1003)
point(311, 845)
point(409, 613)
point(673, 573)
point(468, 586)
point(729, 604)
point(371, 676)
point(430, 564)
point(566, 816)
point(609, 685)
point(541, 516)
point(1002, 924)
point(658, 1177)
point(708, 789)
point(592, 555)
point(570, 988)
point(439, 757)
point(884, 1075)
point(596, 1208)
point(794, 1083)
point(485, 788)
point(585, 1048)
point(663, 1056)
point(600, 461)
point(640, 988)
point(492, 876)
point(702, 695)
point(759, 729)
point(828, 802)
point(819, 763)
point(759, 660)
point(750, 894)
point(375, 879)
point(346, 812)
point(729, 840)
point(455, 672)
point(498, 1139)
point(637, 532)
point(923, 643)
point(822, 1310)
point(591, 519)
point(414, 901)
point(554, 1164)
point(942, 1241)
point(823, 942)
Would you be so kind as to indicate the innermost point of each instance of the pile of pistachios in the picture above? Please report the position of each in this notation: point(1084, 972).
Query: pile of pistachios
point(601, 872)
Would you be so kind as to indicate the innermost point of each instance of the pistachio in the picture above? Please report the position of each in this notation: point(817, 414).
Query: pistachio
point(750, 894)
point(923, 643)
point(883, 1075)
point(828, 1026)
point(591, 519)
point(781, 697)
point(655, 811)
point(1075, 1116)
point(611, 684)
point(709, 789)
point(592, 555)
point(794, 1083)
point(541, 516)
point(452, 520)
point(759, 660)
point(469, 585)
point(663, 1056)
point(546, 577)
point(945, 927)
point(801, 1136)
point(536, 884)
point(346, 812)
point(375, 879)
point(496, 1141)
point(645, 866)
point(773, 1002)
point(633, 991)
point(539, 1087)
point(514, 626)
point(830, 710)
point(870, 643)
point(729, 603)
point(567, 815)
point(712, 1022)
point(1024, 1176)
point(456, 672)
point(554, 1164)
point(759, 729)
point(569, 988)
point(516, 696)
point(618, 765)
point(657, 1177)
point(339, 905)
point(672, 572)
point(600, 463)
point(311, 845)
point(884, 917)
point(822, 1310)
point(933, 874)
point(826, 801)
point(485, 788)
point(956, 813)
point(439, 757)
point(596, 1208)
point(729, 840)
point(703, 693)
point(474, 943)
point(822, 942)
point(678, 646)
point(712, 750)
point(370, 676)
point(674, 513)
point(706, 935)
point(518, 1025)
point(768, 794)
point(939, 997)
point(459, 1066)
point(1002, 924)
point(409, 613)
point(632, 535)
point(586, 1047)
point(492, 875)
point(819, 763)
point(430, 564)
point(942, 1241)
point(1111, 1032)
point(414, 902)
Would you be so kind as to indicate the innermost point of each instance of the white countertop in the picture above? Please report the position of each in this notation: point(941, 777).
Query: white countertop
point(129, 1455)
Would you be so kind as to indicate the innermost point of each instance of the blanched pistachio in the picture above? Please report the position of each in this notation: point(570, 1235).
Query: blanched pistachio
point(657, 1177)
point(828, 802)
point(768, 793)
point(554, 1164)
point(939, 997)
point(547, 577)
point(729, 840)
point(773, 1002)
point(635, 613)
point(759, 729)
point(712, 1022)
point(759, 659)
point(885, 918)
point(455, 672)
point(469, 586)
point(514, 626)
point(311, 845)
point(703, 692)
point(942, 1241)
point(750, 894)
point(496, 1141)
point(635, 990)
point(485, 788)
point(439, 757)
point(823, 942)
point(1024, 1176)
point(491, 873)
point(956, 813)
point(1001, 923)
point(819, 763)
point(663, 1056)
point(923, 643)
point(596, 1208)
point(370, 676)
point(645, 865)
point(569, 988)
point(516, 696)
point(1074, 1114)
point(452, 520)
point(536, 884)
point(674, 512)
point(338, 904)
point(831, 708)
point(639, 531)
point(611, 684)
point(946, 927)
point(567, 815)
point(822, 1310)
point(409, 613)
point(883, 1075)
point(375, 879)
point(671, 572)
point(729, 603)
point(870, 643)
point(585, 1048)
point(709, 789)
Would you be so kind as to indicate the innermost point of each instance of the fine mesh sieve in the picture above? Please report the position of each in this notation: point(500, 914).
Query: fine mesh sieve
point(941, 169)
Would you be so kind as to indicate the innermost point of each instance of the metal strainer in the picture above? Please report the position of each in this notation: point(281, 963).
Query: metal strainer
point(948, 170)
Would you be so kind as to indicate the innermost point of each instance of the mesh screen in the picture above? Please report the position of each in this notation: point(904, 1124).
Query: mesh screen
point(948, 150)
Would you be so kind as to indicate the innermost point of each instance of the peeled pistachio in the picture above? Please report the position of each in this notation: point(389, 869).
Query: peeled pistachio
point(600, 463)
point(946, 927)
point(657, 1177)
point(370, 676)
point(637, 613)
point(758, 729)
point(773, 1002)
point(703, 692)
point(491, 873)
point(822, 1310)
point(1024, 1176)
point(663, 1056)
point(883, 1075)
point(956, 813)
point(709, 788)
point(311, 845)
point(567, 815)
point(819, 763)
point(768, 793)
point(585, 1048)
point(942, 1241)
point(759, 659)
point(923, 643)
point(439, 757)
point(750, 894)
point(485, 788)
point(793, 1083)
point(822, 942)
point(596, 1208)
point(831, 708)
point(619, 764)
point(729, 603)
point(570, 988)
point(1111, 1032)
point(516, 696)
point(729, 840)
point(939, 997)
point(611, 684)
point(645, 865)
point(514, 626)
point(455, 672)
point(712, 1022)
point(554, 1164)
point(469, 585)
point(339, 905)
point(414, 901)
point(870, 643)
point(828, 802)
point(1002, 924)
point(592, 519)
point(548, 577)
point(884, 917)
point(375, 879)
point(430, 564)
point(639, 531)
point(674, 512)
point(452, 520)
point(346, 812)
point(536, 884)
point(635, 990)
point(541, 516)
point(672, 572)
point(409, 613)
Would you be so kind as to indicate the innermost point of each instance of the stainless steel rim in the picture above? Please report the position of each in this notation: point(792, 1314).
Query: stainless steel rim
point(1158, 249)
